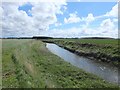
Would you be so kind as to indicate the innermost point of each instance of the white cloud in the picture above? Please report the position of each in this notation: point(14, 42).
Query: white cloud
point(106, 28)
point(17, 23)
point(89, 18)
point(82, 32)
point(113, 12)
point(70, 32)
point(107, 24)
point(1, 11)
point(73, 18)
point(58, 24)
point(115, 20)
point(79, 0)
point(14, 20)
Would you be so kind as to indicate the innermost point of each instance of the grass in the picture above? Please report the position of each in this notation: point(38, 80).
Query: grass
point(0, 64)
point(106, 50)
point(29, 64)
point(95, 41)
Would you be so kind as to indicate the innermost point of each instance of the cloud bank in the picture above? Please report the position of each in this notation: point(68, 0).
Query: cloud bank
point(17, 22)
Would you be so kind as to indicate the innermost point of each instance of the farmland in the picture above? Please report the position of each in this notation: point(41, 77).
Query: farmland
point(27, 63)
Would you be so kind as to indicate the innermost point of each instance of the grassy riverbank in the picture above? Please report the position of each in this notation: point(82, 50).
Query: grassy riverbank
point(105, 50)
point(28, 63)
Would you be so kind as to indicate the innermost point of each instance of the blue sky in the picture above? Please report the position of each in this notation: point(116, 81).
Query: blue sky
point(26, 7)
point(93, 16)
point(82, 9)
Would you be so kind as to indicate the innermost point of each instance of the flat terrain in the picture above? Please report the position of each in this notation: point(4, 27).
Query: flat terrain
point(105, 50)
point(0, 63)
point(27, 63)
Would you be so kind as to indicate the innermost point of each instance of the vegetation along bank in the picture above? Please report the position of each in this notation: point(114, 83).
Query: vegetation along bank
point(105, 50)
point(27, 63)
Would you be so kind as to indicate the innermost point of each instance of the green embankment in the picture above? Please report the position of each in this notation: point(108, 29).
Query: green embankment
point(28, 63)
point(106, 50)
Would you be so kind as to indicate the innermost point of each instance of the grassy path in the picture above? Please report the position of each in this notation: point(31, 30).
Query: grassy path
point(28, 64)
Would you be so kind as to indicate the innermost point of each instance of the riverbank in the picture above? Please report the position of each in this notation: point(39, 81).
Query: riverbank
point(29, 64)
point(105, 50)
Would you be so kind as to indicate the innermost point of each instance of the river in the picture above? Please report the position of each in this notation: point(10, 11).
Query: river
point(105, 71)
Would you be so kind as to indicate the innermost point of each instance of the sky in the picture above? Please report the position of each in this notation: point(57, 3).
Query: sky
point(59, 19)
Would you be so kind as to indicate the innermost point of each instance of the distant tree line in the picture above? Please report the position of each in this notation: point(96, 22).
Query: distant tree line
point(41, 37)
point(97, 38)
point(17, 38)
point(44, 37)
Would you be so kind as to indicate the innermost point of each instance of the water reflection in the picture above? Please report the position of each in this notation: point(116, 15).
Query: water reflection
point(107, 72)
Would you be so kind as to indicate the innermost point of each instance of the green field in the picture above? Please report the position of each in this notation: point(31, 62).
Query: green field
point(0, 64)
point(105, 50)
point(27, 63)
point(92, 41)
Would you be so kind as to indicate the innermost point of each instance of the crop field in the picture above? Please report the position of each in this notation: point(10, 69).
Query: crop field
point(27, 63)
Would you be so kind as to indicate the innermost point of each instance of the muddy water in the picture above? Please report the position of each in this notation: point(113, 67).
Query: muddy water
point(107, 72)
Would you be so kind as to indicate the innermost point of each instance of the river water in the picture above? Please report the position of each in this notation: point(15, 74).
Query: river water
point(106, 72)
